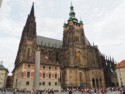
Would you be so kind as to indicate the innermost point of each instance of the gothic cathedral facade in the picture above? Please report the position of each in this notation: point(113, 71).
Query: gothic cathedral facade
point(81, 64)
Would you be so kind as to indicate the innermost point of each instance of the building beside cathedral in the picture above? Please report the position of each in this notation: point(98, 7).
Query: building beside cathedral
point(3, 76)
point(70, 62)
point(1, 2)
point(120, 70)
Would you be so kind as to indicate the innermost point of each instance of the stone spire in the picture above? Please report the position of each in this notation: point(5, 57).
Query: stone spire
point(30, 26)
point(28, 35)
point(32, 10)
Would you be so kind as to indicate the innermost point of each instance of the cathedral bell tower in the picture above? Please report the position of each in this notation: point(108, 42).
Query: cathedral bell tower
point(28, 39)
point(73, 39)
point(74, 47)
point(73, 31)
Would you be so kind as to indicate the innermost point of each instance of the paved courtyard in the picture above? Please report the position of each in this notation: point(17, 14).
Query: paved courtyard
point(116, 92)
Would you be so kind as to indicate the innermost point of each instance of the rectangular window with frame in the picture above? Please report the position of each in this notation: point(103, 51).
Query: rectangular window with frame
point(43, 75)
point(55, 68)
point(27, 83)
point(49, 75)
point(49, 67)
point(43, 83)
point(55, 76)
point(28, 74)
point(49, 83)
point(40, 83)
point(55, 83)
point(28, 65)
point(43, 67)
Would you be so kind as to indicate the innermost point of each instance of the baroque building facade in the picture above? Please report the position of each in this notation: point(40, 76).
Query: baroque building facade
point(3, 76)
point(80, 63)
point(120, 70)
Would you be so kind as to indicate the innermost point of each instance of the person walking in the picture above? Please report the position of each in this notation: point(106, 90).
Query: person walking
point(83, 91)
point(70, 91)
point(15, 90)
point(103, 91)
point(52, 91)
point(124, 92)
point(32, 91)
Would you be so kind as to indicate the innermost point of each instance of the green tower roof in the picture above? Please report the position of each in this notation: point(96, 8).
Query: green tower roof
point(72, 14)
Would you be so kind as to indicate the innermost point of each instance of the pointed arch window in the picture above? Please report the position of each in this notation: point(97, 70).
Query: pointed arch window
point(78, 56)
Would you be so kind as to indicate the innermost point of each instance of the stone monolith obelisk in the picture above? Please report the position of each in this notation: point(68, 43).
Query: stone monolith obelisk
point(36, 70)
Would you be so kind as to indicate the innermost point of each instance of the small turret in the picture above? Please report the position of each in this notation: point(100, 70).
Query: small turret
point(81, 23)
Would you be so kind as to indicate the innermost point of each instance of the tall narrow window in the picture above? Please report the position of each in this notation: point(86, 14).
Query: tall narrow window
point(50, 75)
point(56, 83)
point(55, 76)
point(43, 75)
point(28, 74)
point(43, 67)
point(55, 68)
point(80, 74)
point(78, 55)
point(40, 83)
point(28, 66)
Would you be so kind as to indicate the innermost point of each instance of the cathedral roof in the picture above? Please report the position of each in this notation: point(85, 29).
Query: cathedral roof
point(50, 42)
point(87, 41)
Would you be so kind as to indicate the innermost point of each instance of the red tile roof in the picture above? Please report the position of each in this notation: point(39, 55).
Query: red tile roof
point(43, 60)
point(121, 64)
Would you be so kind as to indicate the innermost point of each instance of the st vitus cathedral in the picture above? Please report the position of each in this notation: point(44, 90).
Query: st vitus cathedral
point(80, 63)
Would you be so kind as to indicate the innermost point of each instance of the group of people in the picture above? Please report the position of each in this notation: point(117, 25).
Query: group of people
point(49, 91)
point(93, 91)
point(110, 90)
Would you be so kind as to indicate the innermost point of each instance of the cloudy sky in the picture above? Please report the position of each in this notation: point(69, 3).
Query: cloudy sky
point(104, 24)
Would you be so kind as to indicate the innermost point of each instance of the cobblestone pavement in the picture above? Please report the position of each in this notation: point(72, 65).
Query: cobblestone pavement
point(116, 92)
point(43, 93)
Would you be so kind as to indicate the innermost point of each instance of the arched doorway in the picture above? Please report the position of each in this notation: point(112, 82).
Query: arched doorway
point(100, 82)
point(97, 83)
point(93, 83)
